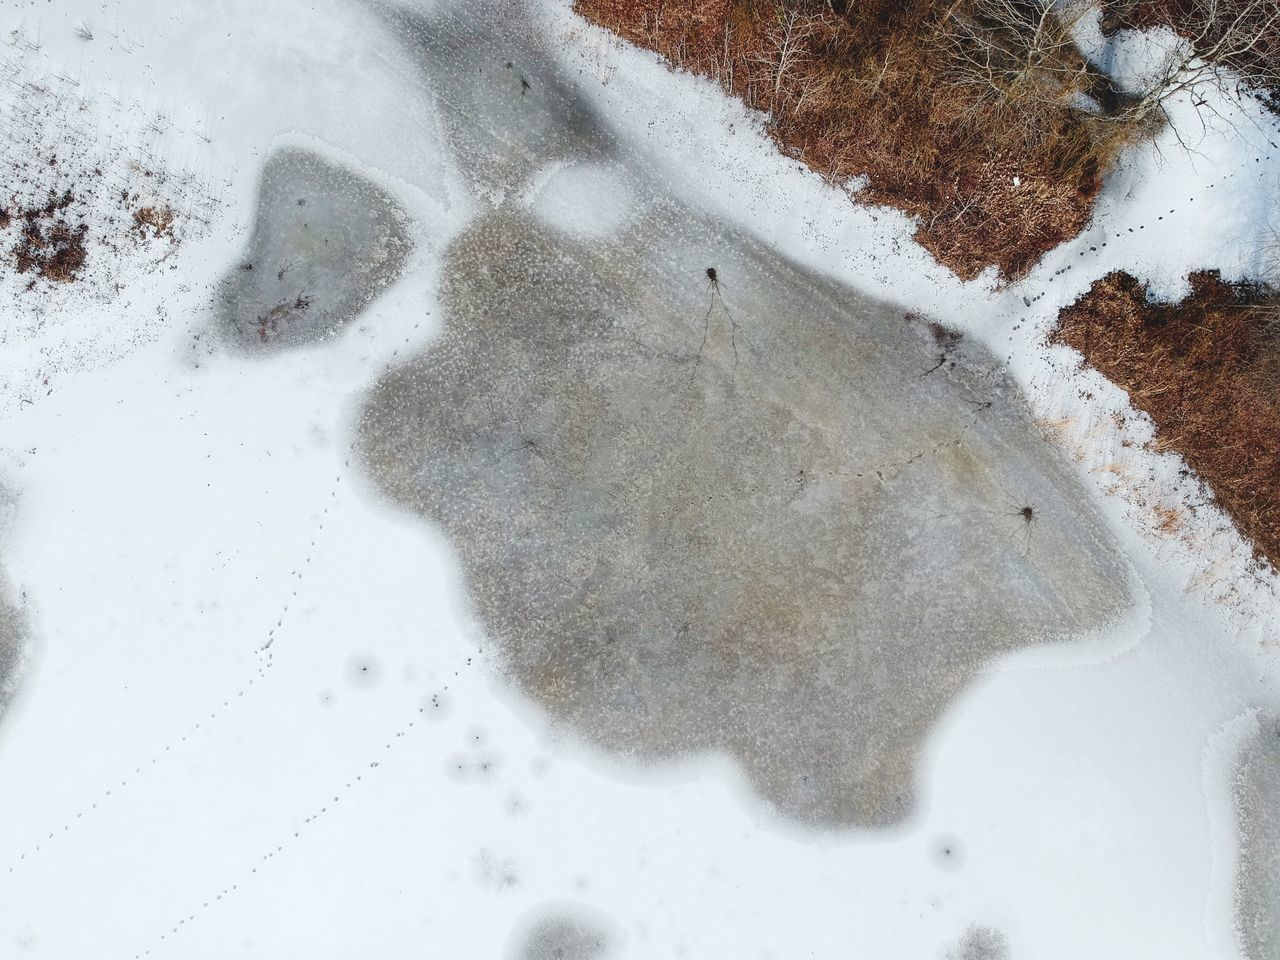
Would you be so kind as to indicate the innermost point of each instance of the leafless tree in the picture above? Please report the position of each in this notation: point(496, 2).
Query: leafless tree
point(1014, 54)
point(1021, 55)
point(1223, 43)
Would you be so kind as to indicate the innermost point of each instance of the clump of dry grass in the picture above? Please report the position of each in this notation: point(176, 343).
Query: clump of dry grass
point(977, 117)
point(48, 244)
point(1207, 371)
point(153, 222)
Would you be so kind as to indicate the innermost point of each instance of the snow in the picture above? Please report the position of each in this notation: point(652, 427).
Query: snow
point(256, 685)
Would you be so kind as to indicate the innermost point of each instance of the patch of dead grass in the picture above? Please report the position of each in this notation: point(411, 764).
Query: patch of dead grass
point(971, 125)
point(1207, 371)
point(48, 243)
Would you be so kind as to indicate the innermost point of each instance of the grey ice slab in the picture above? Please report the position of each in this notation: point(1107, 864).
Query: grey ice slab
point(505, 108)
point(746, 519)
point(759, 514)
point(1257, 798)
point(980, 943)
point(14, 639)
point(325, 242)
point(565, 933)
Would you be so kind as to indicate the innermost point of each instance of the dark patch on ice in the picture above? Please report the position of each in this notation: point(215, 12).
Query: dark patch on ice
point(564, 933)
point(948, 853)
point(980, 943)
point(14, 643)
point(716, 515)
point(364, 672)
point(1257, 799)
point(758, 531)
point(325, 242)
point(15, 631)
point(505, 109)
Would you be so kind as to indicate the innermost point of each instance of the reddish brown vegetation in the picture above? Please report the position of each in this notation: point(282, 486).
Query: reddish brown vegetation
point(1207, 371)
point(871, 89)
point(48, 244)
point(152, 222)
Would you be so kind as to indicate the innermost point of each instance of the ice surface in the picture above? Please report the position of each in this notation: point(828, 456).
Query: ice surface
point(14, 628)
point(1257, 797)
point(13, 645)
point(980, 943)
point(325, 242)
point(180, 799)
point(502, 104)
point(565, 932)
point(706, 500)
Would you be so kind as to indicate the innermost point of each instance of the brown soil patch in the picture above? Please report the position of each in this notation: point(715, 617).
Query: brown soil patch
point(1207, 371)
point(996, 174)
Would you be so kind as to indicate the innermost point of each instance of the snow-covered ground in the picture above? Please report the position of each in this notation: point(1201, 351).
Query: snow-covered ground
point(256, 719)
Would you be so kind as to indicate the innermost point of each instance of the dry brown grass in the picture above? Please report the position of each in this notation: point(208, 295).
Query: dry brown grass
point(48, 244)
point(940, 104)
point(1207, 371)
point(153, 222)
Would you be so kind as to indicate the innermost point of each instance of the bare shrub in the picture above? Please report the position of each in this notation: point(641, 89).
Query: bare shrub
point(1225, 43)
point(1205, 370)
point(962, 113)
point(1013, 56)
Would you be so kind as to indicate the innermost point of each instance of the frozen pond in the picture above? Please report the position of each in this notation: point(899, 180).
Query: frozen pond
point(531, 518)
point(13, 642)
point(704, 499)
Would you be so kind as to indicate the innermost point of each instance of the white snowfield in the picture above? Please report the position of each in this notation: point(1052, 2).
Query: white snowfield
point(255, 719)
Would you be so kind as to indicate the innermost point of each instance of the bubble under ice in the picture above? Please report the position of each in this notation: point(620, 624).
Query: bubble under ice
point(1257, 800)
point(763, 515)
point(325, 242)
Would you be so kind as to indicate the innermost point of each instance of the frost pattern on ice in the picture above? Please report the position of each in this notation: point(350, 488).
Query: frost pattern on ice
point(980, 943)
point(703, 499)
point(13, 646)
point(325, 242)
point(1257, 798)
point(565, 932)
point(15, 633)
